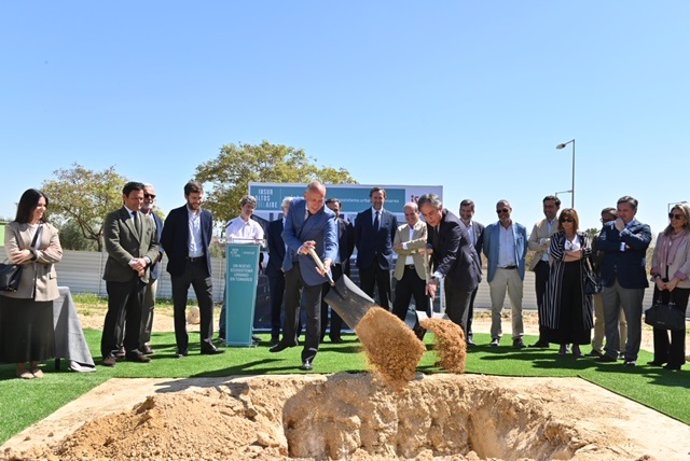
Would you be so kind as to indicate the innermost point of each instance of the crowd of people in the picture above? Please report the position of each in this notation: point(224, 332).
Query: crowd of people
point(582, 286)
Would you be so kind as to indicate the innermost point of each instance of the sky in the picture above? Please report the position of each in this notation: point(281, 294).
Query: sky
point(472, 96)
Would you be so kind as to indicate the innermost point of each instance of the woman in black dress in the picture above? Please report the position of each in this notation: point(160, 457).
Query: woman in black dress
point(568, 307)
point(27, 334)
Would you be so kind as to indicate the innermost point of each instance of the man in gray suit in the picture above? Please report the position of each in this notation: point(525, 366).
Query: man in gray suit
point(132, 247)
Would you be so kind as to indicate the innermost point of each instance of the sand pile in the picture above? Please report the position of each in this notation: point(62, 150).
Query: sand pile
point(392, 349)
point(450, 344)
point(442, 417)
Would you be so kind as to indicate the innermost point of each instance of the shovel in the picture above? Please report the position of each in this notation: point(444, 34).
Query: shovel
point(345, 297)
point(422, 315)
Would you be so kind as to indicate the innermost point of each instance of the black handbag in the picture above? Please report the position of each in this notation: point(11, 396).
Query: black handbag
point(10, 275)
point(665, 317)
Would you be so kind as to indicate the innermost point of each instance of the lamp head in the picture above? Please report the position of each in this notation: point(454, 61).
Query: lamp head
point(560, 146)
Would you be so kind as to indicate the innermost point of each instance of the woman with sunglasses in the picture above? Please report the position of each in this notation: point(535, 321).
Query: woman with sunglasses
point(670, 270)
point(568, 307)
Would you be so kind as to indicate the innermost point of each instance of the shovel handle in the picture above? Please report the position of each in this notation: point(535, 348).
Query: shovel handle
point(320, 265)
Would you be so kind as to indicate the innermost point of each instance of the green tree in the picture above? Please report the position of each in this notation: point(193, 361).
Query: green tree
point(239, 164)
point(592, 233)
point(83, 198)
point(71, 238)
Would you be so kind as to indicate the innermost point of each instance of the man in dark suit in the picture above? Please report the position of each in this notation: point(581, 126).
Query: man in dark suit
point(186, 238)
point(341, 265)
point(132, 247)
point(624, 277)
point(148, 210)
point(453, 258)
point(310, 225)
point(274, 271)
point(374, 233)
point(476, 232)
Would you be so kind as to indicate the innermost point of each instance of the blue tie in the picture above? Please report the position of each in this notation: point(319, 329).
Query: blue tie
point(376, 221)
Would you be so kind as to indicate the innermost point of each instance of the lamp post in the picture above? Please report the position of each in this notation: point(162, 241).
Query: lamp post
point(572, 185)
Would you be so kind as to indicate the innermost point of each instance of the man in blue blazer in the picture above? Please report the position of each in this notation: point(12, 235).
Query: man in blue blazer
point(505, 246)
point(186, 238)
point(274, 269)
point(476, 232)
point(454, 258)
point(374, 233)
point(310, 225)
point(623, 273)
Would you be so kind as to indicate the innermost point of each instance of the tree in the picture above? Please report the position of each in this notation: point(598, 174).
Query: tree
point(71, 238)
point(592, 233)
point(237, 165)
point(84, 197)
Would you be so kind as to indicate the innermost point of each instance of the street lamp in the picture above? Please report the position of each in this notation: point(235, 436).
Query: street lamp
point(572, 186)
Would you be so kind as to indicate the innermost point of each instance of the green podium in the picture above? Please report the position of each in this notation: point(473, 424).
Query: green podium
point(241, 279)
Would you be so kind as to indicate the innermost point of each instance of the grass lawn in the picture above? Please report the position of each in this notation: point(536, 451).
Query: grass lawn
point(24, 402)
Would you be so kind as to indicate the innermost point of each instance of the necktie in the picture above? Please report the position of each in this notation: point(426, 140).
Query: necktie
point(376, 221)
point(136, 222)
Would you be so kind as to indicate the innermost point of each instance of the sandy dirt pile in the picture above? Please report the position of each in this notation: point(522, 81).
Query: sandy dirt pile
point(450, 344)
point(392, 349)
point(355, 417)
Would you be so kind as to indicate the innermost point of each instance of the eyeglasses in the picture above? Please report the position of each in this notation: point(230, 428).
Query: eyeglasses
point(567, 220)
point(151, 196)
point(502, 210)
point(675, 216)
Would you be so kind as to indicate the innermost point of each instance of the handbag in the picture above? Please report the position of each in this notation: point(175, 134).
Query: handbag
point(10, 275)
point(665, 317)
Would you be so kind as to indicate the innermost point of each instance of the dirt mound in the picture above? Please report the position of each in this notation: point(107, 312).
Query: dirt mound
point(441, 417)
point(392, 349)
point(450, 344)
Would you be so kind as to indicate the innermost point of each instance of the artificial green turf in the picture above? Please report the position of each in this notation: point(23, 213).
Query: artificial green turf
point(24, 402)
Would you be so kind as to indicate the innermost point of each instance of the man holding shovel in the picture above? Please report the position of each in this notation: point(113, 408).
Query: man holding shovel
point(310, 226)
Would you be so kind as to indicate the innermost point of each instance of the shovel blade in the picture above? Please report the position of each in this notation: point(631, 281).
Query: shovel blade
point(349, 301)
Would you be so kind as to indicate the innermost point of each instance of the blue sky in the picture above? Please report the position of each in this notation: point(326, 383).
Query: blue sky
point(473, 96)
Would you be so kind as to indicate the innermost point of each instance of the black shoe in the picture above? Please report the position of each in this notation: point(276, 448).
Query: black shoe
point(147, 350)
point(495, 342)
point(519, 343)
point(630, 363)
point(275, 339)
point(136, 356)
point(211, 350)
point(110, 361)
point(307, 365)
point(337, 340)
point(563, 350)
point(577, 353)
point(605, 359)
point(181, 354)
point(594, 353)
point(419, 332)
point(540, 344)
point(656, 363)
point(672, 367)
point(281, 346)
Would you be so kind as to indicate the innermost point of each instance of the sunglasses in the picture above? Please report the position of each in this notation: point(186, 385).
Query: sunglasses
point(149, 196)
point(502, 210)
point(567, 220)
point(675, 216)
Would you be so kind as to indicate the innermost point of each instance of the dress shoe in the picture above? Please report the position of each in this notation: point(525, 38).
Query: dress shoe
point(281, 346)
point(109, 361)
point(147, 350)
point(495, 342)
point(656, 363)
point(136, 356)
point(120, 353)
point(630, 363)
point(577, 353)
point(519, 343)
point(307, 365)
point(275, 339)
point(181, 354)
point(419, 332)
point(605, 359)
point(672, 367)
point(211, 350)
point(541, 344)
point(563, 350)
point(595, 353)
point(337, 340)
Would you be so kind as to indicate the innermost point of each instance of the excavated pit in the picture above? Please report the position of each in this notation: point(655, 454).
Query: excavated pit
point(352, 417)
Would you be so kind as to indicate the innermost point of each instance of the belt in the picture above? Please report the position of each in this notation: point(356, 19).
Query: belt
point(508, 267)
point(196, 259)
point(409, 266)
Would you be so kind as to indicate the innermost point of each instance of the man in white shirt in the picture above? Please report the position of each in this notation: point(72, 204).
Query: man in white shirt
point(539, 242)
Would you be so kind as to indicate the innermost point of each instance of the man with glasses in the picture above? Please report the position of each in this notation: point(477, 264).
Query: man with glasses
point(539, 242)
point(624, 243)
point(505, 246)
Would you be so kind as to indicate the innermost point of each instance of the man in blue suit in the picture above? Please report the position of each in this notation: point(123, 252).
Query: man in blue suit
point(310, 225)
point(505, 247)
point(374, 233)
point(274, 270)
point(623, 273)
point(186, 238)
